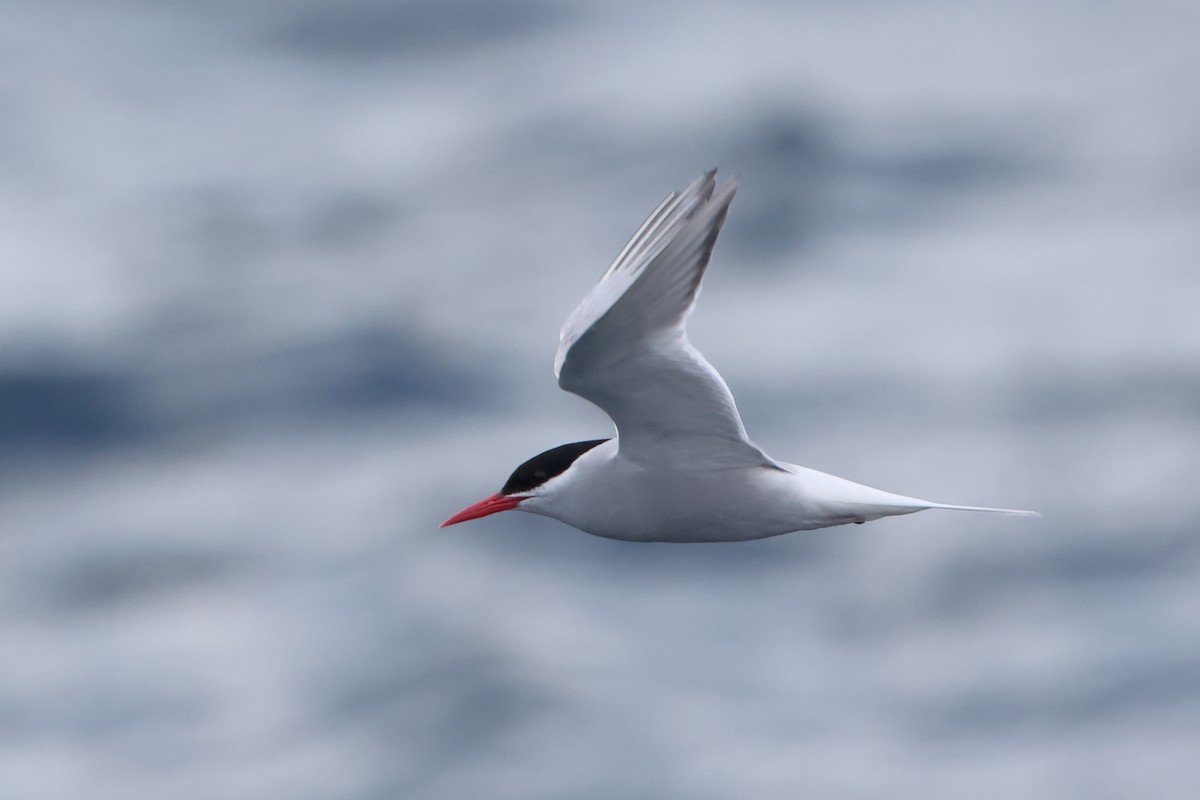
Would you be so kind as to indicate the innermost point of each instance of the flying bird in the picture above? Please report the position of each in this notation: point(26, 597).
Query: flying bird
point(681, 467)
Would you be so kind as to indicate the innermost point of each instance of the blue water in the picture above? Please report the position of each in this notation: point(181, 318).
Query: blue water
point(280, 290)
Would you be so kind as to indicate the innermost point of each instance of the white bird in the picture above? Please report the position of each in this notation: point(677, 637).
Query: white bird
point(681, 468)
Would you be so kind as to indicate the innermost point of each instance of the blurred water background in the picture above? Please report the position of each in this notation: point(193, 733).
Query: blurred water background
point(280, 286)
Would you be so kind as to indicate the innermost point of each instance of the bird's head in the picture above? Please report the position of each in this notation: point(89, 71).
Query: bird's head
point(531, 481)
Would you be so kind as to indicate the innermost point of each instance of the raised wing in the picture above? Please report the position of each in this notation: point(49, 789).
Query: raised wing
point(625, 347)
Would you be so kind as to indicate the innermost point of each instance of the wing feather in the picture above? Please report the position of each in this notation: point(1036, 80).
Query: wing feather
point(625, 347)
point(631, 262)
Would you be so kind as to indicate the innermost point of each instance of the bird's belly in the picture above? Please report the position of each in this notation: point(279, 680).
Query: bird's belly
point(735, 505)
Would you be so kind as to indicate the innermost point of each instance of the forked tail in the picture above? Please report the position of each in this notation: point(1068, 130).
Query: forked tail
point(1013, 511)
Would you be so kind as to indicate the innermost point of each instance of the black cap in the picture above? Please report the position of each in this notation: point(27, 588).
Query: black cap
point(544, 466)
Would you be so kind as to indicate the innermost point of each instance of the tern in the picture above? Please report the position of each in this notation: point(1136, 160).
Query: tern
point(681, 467)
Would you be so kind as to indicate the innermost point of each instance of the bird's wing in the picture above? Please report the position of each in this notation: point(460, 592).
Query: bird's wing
point(625, 347)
